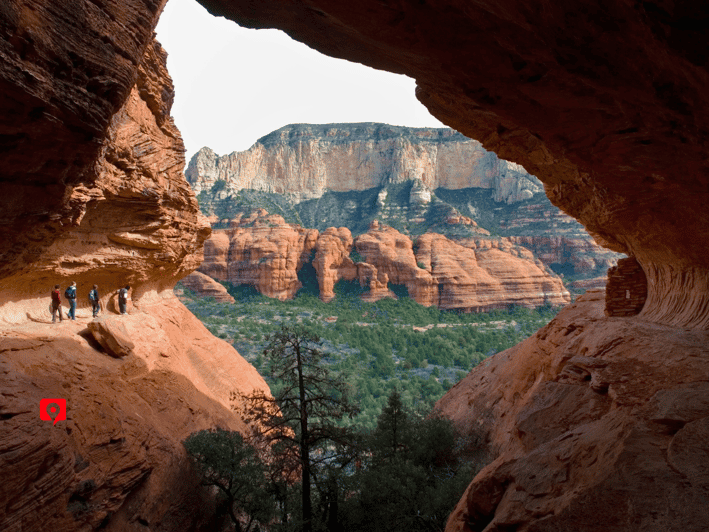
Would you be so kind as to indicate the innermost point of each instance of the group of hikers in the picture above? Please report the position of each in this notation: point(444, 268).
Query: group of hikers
point(70, 295)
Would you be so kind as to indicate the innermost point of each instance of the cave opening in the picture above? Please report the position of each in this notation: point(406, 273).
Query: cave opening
point(234, 85)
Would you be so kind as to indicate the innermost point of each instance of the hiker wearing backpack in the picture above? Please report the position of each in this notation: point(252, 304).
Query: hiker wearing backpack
point(56, 304)
point(70, 294)
point(94, 300)
point(123, 298)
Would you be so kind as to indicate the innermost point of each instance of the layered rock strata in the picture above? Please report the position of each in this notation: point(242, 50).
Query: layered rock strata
point(136, 223)
point(583, 255)
point(473, 275)
point(67, 68)
point(418, 206)
point(591, 423)
point(267, 253)
point(332, 261)
point(305, 160)
point(93, 192)
point(117, 461)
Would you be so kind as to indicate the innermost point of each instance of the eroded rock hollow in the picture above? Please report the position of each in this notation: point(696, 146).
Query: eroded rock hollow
point(598, 421)
point(92, 191)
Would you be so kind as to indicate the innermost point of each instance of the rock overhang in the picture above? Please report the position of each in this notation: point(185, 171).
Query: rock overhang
point(604, 101)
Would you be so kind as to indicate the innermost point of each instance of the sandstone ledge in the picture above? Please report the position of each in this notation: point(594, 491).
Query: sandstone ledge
point(118, 458)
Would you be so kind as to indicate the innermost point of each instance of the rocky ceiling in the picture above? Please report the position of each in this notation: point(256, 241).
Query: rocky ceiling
point(605, 101)
point(602, 418)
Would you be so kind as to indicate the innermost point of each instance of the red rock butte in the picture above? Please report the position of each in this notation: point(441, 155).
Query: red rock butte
point(595, 423)
point(476, 275)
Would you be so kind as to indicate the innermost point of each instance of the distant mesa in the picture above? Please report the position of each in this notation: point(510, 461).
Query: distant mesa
point(304, 161)
point(282, 199)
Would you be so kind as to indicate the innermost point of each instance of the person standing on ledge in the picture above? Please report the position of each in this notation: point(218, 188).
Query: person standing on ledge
point(56, 304)
point(93, 299)
point(123, 298)
point(70, 294)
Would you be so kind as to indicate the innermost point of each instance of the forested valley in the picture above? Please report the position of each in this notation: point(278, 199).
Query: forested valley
point(357, 445)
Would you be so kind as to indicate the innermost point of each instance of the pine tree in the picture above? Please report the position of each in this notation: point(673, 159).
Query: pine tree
point(225, 461)
point(392, 427)
point(301, 417)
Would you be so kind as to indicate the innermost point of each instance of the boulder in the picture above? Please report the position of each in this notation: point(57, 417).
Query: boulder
point(111, 333)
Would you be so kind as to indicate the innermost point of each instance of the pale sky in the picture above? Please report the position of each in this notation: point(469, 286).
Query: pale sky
point(234, 85)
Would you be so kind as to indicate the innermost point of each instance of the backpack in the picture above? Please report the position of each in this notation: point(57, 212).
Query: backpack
point(67, 293)
point(122, 293)
point(55, 296)
point(93, 295)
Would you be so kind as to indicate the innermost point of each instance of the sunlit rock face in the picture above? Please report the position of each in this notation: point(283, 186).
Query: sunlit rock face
point(92, 191)
point(117, 461)
point(594, 423)
point(605, 103)
point(471, 275)
point(267, 253)
point(305, 160)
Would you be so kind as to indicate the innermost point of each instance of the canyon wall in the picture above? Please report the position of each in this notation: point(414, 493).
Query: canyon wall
point(305, 160)
point(93, 192)
point(593, 423)
point(137, 222)
point(596, 422)
point(474, 274)
point(415, 180)
point(583, 255)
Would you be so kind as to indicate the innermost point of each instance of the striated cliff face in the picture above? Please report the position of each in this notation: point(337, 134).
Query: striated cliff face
point(363, 172)
point(93, 192)
point(305, 160)
point(267, 253)
point(474, 274)
point(136, 223)
point(582, 255)
point(117, 462)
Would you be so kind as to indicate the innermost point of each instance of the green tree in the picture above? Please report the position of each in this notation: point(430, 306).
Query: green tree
point(392, 427)
point(225, 461)
point(308, 400)
point(412, 476)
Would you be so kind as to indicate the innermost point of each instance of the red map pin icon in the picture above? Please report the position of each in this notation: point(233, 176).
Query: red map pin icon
point(52, 409)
